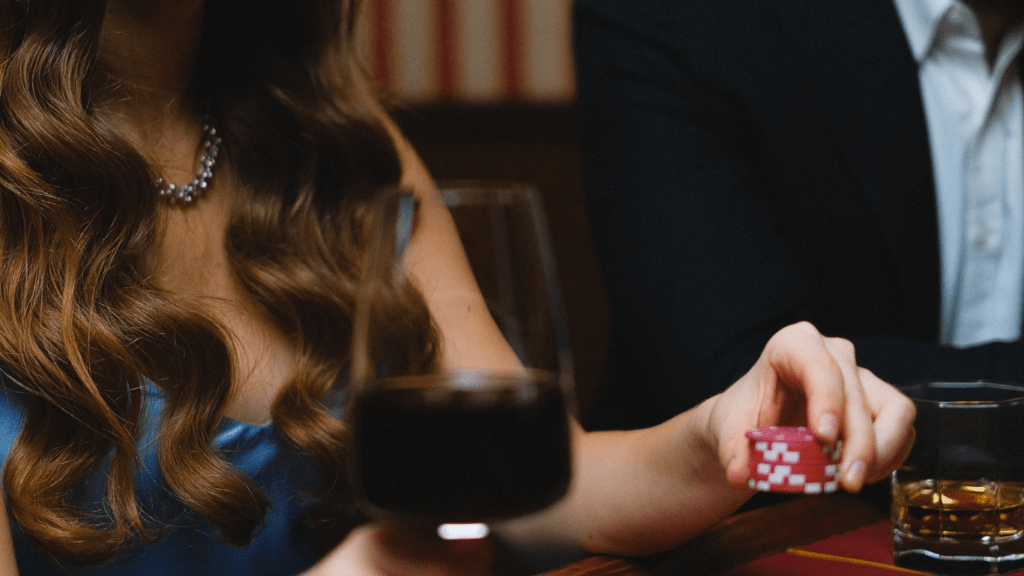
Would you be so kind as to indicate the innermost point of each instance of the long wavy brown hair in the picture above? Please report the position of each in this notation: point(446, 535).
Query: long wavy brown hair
point(82, 324)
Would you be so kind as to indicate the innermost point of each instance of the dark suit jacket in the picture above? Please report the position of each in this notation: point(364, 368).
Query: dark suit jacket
point(749, 164)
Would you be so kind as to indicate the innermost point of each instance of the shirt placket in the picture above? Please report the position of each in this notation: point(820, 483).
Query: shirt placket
point(985, 187)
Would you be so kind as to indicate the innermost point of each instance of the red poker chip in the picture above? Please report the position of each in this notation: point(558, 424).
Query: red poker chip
point(792, 444)
point(789, 434)
point(792, 454)
point(824, 487)
point(795, 479)
point(771, 468)
point(792, 460)
point(794, 457)
point(812, 486)
point(795, 476)
point(792, 435)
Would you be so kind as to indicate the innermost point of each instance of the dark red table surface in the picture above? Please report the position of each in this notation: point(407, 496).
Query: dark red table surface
point(812, 533)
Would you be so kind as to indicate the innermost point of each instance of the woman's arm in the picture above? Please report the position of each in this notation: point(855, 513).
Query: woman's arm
point(643, 491)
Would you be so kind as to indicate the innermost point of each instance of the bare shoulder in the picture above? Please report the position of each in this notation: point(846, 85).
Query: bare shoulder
point(435, 259)
point(414, 173)
point(437, 265)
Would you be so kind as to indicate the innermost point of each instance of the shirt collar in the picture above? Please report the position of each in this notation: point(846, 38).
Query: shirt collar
point(921, 19)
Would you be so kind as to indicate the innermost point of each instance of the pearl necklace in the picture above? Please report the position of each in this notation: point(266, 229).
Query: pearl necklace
point(188, 193)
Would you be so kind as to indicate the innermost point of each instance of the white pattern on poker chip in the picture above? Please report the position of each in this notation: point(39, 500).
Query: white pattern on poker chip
point(763, 446)
point(810, 488)
point(766, 469)
point(822, 488)
point(784, 477)
point(782, 433)
point(776, 453)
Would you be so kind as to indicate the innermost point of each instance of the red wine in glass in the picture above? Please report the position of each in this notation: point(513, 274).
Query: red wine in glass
point(461, 448)
point(466, 447)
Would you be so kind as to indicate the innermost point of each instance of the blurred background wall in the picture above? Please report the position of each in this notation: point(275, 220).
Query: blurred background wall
point(485, 89)
point(472, 50)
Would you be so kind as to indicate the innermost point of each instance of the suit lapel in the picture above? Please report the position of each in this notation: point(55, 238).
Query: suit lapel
point(857, 56)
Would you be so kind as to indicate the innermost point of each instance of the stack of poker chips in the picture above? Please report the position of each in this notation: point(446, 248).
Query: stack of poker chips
point(791, 459)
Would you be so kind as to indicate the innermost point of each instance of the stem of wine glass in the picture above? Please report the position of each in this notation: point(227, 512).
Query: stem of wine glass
point(471, 531)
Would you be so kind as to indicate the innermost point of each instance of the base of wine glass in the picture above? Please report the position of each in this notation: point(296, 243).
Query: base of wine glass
point(471, 531)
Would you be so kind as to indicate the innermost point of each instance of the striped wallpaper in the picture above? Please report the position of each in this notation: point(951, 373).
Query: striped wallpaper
point(475, 50)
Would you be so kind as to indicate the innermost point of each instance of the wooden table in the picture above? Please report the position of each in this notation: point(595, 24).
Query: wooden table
point(743, 538)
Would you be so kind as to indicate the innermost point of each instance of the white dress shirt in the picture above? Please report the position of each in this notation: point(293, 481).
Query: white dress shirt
point(975, 123)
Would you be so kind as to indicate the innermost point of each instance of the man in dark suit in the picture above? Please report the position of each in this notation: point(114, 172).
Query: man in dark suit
point(753, 163)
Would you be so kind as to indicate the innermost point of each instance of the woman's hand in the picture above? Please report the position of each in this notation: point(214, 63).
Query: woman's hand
point(373, 549)
point(805, 379)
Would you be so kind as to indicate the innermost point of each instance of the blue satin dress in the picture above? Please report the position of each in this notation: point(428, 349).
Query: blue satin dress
point(283, 545)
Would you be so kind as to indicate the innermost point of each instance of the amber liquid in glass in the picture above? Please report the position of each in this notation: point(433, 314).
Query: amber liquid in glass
point(960, 510)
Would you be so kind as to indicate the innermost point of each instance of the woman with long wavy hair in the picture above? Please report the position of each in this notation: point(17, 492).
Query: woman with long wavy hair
point(182, 189)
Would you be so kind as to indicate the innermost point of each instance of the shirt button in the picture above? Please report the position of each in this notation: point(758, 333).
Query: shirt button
point(981, 237)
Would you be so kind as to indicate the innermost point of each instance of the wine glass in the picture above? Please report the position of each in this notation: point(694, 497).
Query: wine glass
point(457, 449)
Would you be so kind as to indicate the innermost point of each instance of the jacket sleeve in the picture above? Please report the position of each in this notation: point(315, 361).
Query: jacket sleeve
point(692, 226)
